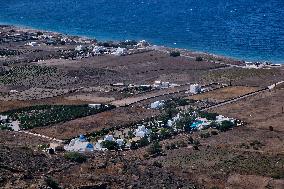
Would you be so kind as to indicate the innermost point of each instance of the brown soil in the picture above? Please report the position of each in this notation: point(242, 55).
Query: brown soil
point(223, 94)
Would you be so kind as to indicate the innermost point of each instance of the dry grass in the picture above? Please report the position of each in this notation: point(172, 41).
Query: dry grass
point(224, 93)
point(260, 111)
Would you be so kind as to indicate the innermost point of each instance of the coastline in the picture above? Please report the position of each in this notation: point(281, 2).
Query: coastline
point(160, 46)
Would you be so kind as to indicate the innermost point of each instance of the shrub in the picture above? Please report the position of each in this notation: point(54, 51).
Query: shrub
point(5, 127)
point(155, 149)
point(50, 182)
point(198, 58)
point(143, 142)
point(175, 53)
point(209, 116)
point(205, 135)
point(75, 157)
point(225, 126)
point(157, 164)
point(110, 145)
point(190, 140)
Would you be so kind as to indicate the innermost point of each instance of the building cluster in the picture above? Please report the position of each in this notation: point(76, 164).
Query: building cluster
point(146, 131)
point(117, 49)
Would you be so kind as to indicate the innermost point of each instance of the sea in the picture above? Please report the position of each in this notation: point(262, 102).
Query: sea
point(251, 30)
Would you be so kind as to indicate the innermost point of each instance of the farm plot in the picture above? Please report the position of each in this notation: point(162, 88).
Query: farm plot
point(39, 116)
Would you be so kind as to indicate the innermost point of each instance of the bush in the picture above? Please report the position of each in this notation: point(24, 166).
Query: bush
point(143, 142)
point(50, 182)
point(157, 164)
point(205, 135)
point(198, 58)
point(155, 149)
point(225, 126)
point(190, 140)
point(75, 157)
point(175, 53)
point(110, 145)
point(209, 116)
point(5, 127)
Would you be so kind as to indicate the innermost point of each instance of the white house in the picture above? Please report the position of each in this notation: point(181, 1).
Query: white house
point(120, 51)
point(143, 44)
point(141, 131)
point(109, 138)
point(32, 44)
point(79, 48)
point(79, 145)
point(195, 89)
point(96, 106)
point(15, 125)
point(157, 105)
point(3, 118)
point(120, 142)
point(221, 118)
point(161, 85)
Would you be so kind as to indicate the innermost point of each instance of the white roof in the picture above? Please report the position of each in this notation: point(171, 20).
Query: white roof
point(78, 146)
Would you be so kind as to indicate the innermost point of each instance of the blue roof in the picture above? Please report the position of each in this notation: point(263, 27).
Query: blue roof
point(90, 146)
point(82, 138)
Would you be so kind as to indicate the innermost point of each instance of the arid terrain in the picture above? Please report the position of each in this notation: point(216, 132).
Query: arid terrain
point(59, 87)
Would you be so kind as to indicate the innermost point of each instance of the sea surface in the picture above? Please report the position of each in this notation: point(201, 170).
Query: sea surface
point(244, 29)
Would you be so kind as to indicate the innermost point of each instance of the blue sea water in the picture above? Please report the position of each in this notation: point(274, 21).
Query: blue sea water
point(244, 29)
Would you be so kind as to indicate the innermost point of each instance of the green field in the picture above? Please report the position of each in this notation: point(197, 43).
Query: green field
point(39, 116)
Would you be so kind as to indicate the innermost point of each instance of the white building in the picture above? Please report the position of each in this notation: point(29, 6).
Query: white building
point(3, 118)
point(97, 50)
point(195, 89)
point(96, 106)
point(221, 118)
point(109, 138)
point(79, 145)
point(161, 85)
point(141, 131)
point(32, 44)
point(142, 44)
point(79, 48)
point(120, 142)
point(120, 51)
point(157, 105)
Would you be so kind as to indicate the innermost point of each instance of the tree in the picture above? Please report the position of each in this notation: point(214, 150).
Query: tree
point(110, 145)
point(208, 115)
point(198, 58)
point(76, 157)
point(175, 53)
point(143, 142)
point(225, 126)
point(50, 182)
point(155, 149)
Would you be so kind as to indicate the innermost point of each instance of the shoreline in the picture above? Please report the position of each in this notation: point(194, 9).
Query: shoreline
point(163, 47)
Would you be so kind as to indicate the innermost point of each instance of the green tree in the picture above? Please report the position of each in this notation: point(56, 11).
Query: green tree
point(76, 157)
point(155, 149)
point(175, 53)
